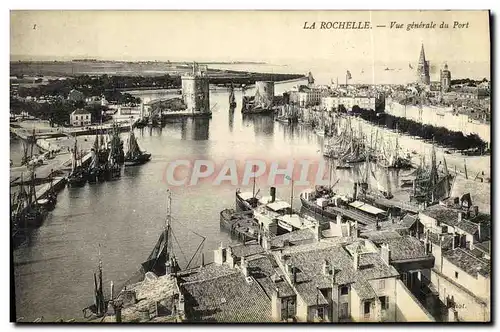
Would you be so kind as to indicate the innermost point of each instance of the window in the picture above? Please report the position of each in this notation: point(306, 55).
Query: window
point(367, 307)
point(321, 313)
point(381, 284)
point(456, 275)
point(344, 290)
point(76, 117)
point(384, 301)
point(86, 117)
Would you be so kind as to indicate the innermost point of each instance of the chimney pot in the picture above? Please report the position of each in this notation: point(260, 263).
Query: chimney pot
point(460, 216)
point(326, 268)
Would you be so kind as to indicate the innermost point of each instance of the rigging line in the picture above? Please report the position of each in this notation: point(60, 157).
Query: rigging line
point(180, 249)
point(199, 246)
point(186, 226)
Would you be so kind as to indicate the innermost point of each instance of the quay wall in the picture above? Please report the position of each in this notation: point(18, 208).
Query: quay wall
point(439, 117)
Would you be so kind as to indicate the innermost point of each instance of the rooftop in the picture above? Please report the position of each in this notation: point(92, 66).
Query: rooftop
point(444, 214)
point(484, 247)
point(447, 240)
point(480, 192)
point(229, 298)
point(264, 269)
point(467, 226)
point(465, 260)
point(409, 219)
point(207, 272)
point(406, 248)
point(247, 249)
point(309, 267)
point(380, 236)
point(80, 111)
point(294, 237)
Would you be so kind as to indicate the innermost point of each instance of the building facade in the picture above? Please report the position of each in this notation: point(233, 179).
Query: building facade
point(80, 117)
point(364, 102)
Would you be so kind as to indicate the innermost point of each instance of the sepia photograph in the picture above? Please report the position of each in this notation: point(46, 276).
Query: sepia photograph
point(250, 166)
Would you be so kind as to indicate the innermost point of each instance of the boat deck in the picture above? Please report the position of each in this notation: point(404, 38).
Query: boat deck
point(358, 216)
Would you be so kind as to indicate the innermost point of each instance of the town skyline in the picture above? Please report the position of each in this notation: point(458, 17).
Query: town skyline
point(243, 36)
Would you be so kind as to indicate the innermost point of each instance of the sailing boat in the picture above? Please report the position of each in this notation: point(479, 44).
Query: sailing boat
point(78, 175)
point(134, 155)
point(94, 170)
point(390, 158)
point(246, 201)
point(31, 215)
point(232, 100)
point(49, 202)
point(161, 261)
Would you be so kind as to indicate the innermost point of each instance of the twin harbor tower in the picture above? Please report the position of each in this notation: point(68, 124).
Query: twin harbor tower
point(196, 90)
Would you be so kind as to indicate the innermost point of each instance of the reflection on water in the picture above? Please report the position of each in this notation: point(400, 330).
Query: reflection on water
point(53, 276)
point(196, 129)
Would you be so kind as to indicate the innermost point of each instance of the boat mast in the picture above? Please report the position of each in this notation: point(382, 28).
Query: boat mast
point(168, 219)
point(253, 189)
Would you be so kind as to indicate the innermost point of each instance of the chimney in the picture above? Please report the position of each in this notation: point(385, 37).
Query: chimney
point(244, 266)
point(339, 219)
point(220, 255)
point(272, 193)
point(291, 272)
point(317, 231)
point(460, 215)
point(259, 239)
point(266, 242)
point(453, 243)
point(427, 243)
point(377, 226)
point(385, 253)
point(479, 233)
point(326, 268)
point(355, 195)
point(356, 259)
point(202, 259)
point(476, 210)
point(349, 226)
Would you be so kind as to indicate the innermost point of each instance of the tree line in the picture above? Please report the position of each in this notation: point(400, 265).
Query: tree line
point(440, 135)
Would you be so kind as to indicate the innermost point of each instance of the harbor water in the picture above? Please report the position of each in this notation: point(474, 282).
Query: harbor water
point(120, 221)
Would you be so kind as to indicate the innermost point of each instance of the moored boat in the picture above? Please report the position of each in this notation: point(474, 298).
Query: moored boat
point(134, 155)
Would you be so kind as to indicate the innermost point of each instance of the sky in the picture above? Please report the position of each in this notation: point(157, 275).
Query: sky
point(270, 36)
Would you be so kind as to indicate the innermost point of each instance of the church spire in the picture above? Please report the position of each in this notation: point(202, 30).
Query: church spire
point(422, 54)
point(423, 68)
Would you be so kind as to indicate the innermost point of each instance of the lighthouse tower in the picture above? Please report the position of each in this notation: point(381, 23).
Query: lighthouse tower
point(423, 68)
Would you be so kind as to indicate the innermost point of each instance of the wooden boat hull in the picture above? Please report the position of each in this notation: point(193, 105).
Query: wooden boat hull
point(77, 181)
point(48, 204)
point(142, 159)
point(314, 209)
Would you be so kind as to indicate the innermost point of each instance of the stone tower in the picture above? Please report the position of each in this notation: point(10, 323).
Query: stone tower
point(423, 68)
point(196, 90)
point(445, 79)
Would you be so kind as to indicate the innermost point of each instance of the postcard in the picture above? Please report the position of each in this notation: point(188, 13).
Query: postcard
point(250, 166)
